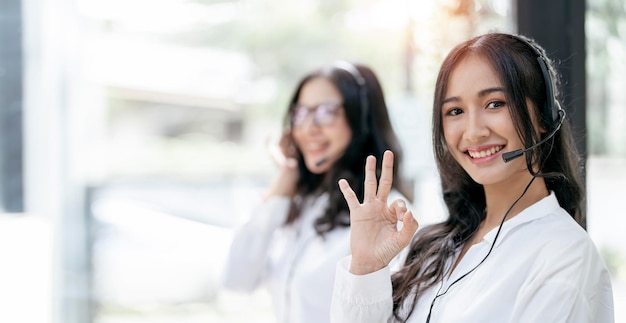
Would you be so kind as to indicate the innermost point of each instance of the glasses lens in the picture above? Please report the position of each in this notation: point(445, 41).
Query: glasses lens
point(325, 113)
point(299, 115)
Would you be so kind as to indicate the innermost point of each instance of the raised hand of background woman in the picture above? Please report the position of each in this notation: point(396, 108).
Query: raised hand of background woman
point(284, 184)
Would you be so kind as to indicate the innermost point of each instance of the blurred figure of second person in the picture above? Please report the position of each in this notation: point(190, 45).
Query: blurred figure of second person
point(293, 240)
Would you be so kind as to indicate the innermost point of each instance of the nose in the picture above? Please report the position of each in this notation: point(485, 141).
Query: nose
point(476, 128)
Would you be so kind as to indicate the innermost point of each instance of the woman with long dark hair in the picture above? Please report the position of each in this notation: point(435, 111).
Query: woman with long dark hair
point(336, 117)
point(512, 248)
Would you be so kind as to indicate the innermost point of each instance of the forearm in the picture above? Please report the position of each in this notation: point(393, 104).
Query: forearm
point(248, 253)
point(361, 298)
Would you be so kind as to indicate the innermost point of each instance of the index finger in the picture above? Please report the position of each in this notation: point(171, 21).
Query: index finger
point(386, 176)
point(348, 194)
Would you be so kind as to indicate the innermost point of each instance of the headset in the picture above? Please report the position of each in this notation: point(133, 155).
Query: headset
point(360, 80)
point(551, 109)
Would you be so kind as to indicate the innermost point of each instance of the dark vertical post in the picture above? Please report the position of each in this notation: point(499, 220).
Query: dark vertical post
point(559, 26)
point(11, 91)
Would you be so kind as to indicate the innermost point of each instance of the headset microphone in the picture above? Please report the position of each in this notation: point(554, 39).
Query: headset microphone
point(321, 162)
point(508, 156)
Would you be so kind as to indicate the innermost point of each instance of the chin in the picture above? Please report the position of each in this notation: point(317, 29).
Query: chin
point(318, 170)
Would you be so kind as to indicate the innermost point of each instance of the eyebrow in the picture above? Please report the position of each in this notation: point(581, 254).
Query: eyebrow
point(481, 93)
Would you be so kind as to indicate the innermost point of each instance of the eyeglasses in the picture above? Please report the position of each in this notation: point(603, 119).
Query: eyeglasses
point(324, 114)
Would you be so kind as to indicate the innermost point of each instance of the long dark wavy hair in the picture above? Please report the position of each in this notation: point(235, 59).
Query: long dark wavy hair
point(372, 134)
point(557, 161)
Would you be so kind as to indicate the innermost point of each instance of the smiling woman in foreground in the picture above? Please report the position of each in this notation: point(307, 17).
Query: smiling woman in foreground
point(512, 249)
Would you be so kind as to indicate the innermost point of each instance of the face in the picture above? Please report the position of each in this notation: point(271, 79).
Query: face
point(321, 131)
point(477, 124)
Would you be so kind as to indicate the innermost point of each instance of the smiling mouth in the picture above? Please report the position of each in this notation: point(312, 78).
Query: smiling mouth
point(316, 148)
point(484, 153)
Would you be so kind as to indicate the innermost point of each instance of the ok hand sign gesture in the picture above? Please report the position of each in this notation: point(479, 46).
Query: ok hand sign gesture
point(374, 237)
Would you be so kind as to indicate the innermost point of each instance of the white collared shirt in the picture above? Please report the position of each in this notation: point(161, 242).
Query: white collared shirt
point(543, 268)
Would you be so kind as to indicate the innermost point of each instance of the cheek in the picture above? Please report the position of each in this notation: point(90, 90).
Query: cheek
point(450, 134)
point(297, 137)
point(341, 133)
point(506, 128)
point(341, 136)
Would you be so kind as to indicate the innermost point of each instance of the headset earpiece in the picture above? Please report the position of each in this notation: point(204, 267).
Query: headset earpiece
point(551, 109)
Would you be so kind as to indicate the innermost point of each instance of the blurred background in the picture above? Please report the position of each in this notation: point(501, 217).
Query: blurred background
point(132, 137)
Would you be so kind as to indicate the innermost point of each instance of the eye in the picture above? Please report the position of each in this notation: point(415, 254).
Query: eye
point(453, 112)
point(495, 104)
point(326, 112)
point(299, 114)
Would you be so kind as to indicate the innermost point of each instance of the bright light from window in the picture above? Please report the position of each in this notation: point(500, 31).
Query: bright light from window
point(165, 16)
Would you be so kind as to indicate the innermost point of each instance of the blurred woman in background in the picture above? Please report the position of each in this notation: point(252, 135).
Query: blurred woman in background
point(291, 244)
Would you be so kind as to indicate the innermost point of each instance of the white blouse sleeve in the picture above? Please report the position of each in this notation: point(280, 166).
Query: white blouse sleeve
point(361, 298)
point(248, 255)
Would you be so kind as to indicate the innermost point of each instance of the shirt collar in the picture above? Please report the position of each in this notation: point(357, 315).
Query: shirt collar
point(541, 208)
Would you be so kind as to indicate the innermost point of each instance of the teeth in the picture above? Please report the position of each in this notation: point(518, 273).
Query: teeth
point(484, 153)
point(314, 146)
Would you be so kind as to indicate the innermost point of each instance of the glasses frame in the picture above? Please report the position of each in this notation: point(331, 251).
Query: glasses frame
point(311, 111)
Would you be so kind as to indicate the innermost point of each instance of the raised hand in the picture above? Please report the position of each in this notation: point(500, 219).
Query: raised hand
point(374, 236)
point(284, 184)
